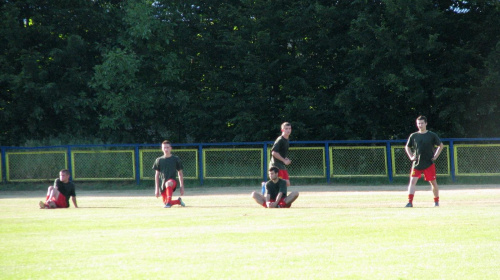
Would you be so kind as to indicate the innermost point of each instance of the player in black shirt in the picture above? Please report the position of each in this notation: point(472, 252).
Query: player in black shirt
point(420, 149)
point(167, 167)
point(58, 194)
point(276, 192)
point(279, 152)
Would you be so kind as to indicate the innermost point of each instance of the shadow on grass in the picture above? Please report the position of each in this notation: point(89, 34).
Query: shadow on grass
point(221, 191)
point(101, 207)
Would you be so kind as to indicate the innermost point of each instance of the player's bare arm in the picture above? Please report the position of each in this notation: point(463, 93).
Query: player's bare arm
point(277, 155)
point(157, 183)
point(410, 154)
point(181, 180)
point(278, 199)
point(438, 152)
point(268, 203)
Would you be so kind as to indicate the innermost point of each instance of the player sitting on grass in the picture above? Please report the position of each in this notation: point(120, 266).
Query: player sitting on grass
point(276, 190)
point(58, 195)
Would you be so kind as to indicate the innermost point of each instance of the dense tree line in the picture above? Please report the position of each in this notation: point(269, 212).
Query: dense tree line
point(215, 71)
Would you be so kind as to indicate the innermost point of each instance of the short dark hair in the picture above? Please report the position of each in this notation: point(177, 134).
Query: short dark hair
point(285, 124)
point(274, 169)
point(65, 171)
point(422, 118)
point(166, 142)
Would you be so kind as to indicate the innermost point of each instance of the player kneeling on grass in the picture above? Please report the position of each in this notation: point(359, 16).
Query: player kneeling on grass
point(167, 167)
point(58, 194)
point(276, 189)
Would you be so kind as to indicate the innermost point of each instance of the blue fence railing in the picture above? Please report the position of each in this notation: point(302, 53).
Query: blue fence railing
point(246, 160)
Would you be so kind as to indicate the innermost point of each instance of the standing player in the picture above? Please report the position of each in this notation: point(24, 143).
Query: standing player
point(420, 150)
point(276, 189)
point(279, 152)
point(58, 194)
point(167, 167)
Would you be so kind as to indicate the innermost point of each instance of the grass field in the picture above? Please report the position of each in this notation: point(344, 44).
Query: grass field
point(331, 232)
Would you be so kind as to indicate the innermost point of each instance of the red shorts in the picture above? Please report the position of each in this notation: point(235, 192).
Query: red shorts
point(429, 173)
point(283, 174)
point(281, 204)
point(164, 192)
point(60, 201)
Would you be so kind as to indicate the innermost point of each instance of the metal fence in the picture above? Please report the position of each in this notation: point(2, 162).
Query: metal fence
point(230, 161)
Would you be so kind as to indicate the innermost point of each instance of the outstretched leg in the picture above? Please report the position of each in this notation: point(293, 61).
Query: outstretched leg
point(259, 198)
point(289, 199)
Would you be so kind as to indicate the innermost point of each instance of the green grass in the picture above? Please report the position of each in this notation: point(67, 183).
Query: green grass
point(331, 232)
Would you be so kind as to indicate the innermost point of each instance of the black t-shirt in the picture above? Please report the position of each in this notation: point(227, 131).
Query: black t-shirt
point(280, 146)
point(423, 146)
point(66, 189)
point(274, 188)
point(168, 167)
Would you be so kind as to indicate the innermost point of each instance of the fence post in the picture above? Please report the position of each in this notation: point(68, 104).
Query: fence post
point(4, 168)
point(264, 164)
point(389, 160)
point(327, 163)
point(200, 163)
point(330, 162)
point(137, 166)
point(452, 161)
point(70, 166)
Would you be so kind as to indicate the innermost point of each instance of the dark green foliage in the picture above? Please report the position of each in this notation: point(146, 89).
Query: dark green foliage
point(218, 71)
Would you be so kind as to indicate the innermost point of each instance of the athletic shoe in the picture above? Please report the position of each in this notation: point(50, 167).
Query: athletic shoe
point(436, 204)
point(168, 205)
point(182, 202)
point(409, 204)
point(42, 205)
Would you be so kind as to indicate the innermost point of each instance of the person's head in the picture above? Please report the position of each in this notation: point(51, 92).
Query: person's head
point(422, 123)
point(273, 173)
point(166, 147)
point(286, 129)
point(64, 175)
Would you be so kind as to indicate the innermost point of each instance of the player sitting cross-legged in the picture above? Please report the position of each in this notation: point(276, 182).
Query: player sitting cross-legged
point(276, 192)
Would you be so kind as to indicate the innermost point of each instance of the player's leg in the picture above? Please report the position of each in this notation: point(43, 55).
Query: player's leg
point(164, 197)
point(289, 199)
point(430, 176)
point(169, 190)
point(167, 197)
point(49, 191)
point(411, 187)
point(259, 198)
point(60, 202)
point(43, 204)
point(172, 185)
point(435, 191)
point(52, 194)
point(53, 198)
point(283, 174)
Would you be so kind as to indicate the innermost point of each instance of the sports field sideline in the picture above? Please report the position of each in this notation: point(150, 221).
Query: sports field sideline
point(331, 232)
